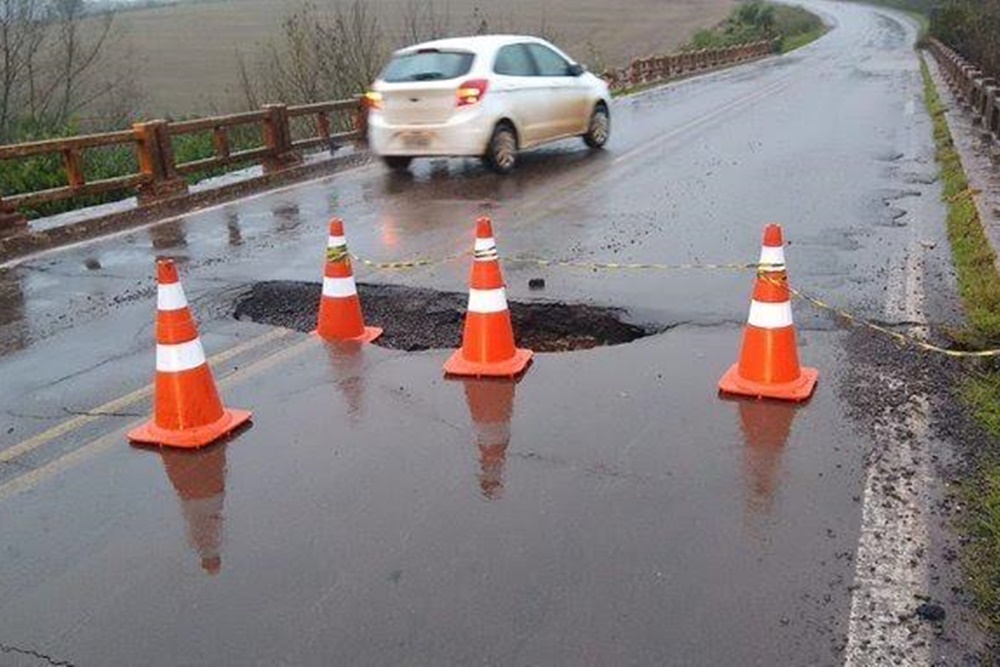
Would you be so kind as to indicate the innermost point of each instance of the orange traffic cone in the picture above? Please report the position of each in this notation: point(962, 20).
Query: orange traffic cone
point(188, 412)
point(488, 341)
point(491, 404)
point(199, 478)
point(769, 361)
point(339, 308)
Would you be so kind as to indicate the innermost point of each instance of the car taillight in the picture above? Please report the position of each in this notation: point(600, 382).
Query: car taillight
point(471, 92)
point(373, 100)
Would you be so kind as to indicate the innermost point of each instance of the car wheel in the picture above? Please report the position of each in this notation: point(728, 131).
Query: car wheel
point(397, 162)
point(501, 153)
point(599, 129)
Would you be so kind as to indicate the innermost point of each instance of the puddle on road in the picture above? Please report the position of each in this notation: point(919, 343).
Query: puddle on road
point(422, 319)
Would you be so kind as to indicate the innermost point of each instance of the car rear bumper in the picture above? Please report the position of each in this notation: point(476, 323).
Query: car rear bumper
point(460, 136)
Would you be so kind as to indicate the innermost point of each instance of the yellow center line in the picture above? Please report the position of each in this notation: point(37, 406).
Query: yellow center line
point(104, 442)
point(117, 404)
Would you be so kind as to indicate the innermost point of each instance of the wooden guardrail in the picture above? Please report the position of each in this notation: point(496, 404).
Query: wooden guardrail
point(971, 85)
point(160, 176)
point(652, 69)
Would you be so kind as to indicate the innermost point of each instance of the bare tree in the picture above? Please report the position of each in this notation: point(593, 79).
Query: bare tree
point(320, 56)
point(21, 31)
point(424, 21)
point(335, 50)
point(355, 48)
point(56, 65)
point(973, 28)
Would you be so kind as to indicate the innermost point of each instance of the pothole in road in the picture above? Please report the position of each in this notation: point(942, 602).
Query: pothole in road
point(422, 319)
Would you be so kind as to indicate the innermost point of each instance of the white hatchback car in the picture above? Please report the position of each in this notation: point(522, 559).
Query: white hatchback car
point(487, 96)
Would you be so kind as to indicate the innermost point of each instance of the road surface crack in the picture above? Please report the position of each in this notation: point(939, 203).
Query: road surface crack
point(49, 660)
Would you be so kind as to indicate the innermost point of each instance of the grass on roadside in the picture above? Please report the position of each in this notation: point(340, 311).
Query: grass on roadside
point(978, 282)
point(981, 496)
point(979, 286)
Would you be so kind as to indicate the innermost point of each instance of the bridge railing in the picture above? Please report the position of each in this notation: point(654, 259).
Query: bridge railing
point(973, 87)
point(158, 175)
point(71, 150)
point(653, 69)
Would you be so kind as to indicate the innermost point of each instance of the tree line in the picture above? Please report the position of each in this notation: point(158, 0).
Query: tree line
point(971, 27)
point(57, 69)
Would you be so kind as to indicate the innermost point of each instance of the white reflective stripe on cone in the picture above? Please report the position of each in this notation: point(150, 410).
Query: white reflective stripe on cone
point(487, 300)
point(773, 256)
point(180, 357)
point(770, 315)
point(170, 297)
point(339, 288)
point(336, 241)
point(485, 244)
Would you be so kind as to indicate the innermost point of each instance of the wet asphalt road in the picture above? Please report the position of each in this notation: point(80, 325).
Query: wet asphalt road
point(607, 509)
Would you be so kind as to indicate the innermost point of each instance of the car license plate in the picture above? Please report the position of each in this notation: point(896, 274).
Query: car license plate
point(417, 139)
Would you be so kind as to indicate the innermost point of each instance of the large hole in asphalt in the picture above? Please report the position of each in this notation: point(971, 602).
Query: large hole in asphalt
point(422, 319)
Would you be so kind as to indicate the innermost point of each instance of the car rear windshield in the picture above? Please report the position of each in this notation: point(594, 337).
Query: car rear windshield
point(427, 65)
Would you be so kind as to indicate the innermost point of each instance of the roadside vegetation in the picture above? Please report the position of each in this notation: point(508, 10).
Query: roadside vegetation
point(971, 27)
point(979, 286)
point(792, 27)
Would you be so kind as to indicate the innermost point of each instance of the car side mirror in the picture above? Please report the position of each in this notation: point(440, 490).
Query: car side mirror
point(576, 69)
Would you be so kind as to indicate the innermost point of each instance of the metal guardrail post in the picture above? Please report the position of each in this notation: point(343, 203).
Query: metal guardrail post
point(155, 154)
point(278, 139)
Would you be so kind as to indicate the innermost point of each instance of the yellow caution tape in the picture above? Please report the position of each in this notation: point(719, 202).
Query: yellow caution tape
point(595, 266)
point(640, 266)
point(396, 266)
point(902, 338)
point(337, 253)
